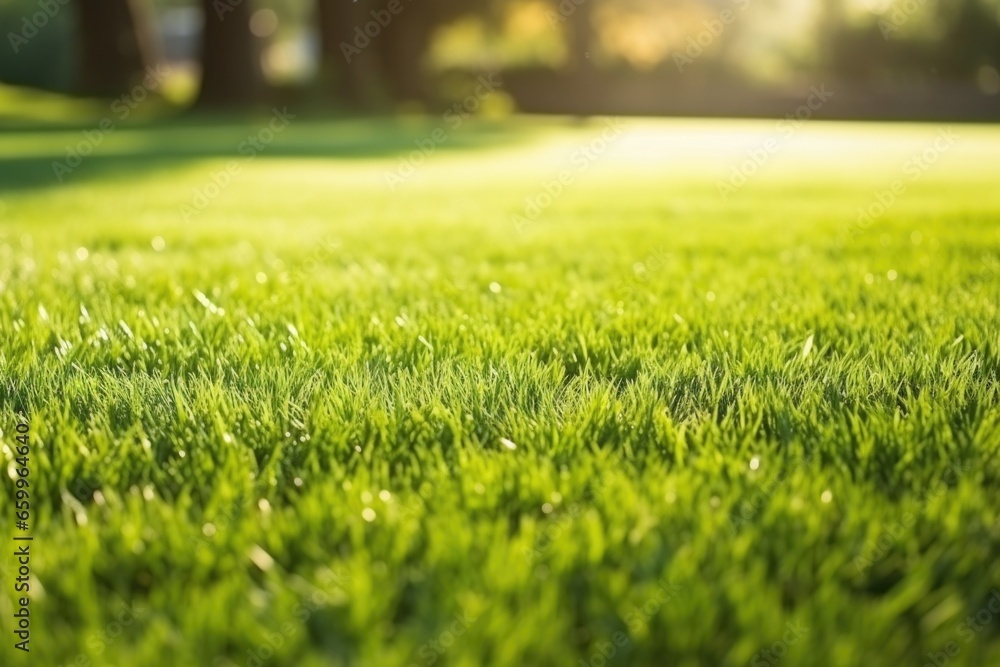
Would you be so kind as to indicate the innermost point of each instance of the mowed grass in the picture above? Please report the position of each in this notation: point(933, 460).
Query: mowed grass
point(323, 422)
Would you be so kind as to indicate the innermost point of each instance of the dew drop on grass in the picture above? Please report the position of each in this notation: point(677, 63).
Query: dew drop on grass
point(158, 243)
point(261, 558)
point(495, 287)
point(547, 508)
point(384, 496)
point(207, 303)
point(368, 514)
point(509, 444)
point(826, 496)
point(754, 463)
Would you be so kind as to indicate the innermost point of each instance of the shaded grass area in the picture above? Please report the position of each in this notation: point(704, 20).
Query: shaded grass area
point(326, 422)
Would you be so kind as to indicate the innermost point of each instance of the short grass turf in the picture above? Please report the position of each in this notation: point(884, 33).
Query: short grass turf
point(317, 421)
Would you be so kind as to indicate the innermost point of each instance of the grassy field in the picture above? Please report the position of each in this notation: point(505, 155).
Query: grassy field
point(317, 415)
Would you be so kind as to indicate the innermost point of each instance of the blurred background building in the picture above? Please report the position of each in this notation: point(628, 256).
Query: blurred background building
point(920, 59)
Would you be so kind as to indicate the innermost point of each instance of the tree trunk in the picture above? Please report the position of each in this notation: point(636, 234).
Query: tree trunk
point(231, 71)
point(116, 44)
point(346, 67)
point(402, 49)
point(580, 37)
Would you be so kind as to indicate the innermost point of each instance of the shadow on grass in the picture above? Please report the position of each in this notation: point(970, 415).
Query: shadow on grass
point(142, 149)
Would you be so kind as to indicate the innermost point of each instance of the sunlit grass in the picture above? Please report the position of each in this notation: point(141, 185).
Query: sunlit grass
point(320, 418)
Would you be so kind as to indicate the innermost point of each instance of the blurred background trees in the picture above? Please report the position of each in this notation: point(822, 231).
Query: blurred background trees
point(230, 55)
point(117, 39)
point(361, 54)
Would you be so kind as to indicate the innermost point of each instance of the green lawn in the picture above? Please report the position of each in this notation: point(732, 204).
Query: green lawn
point(320, 421)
